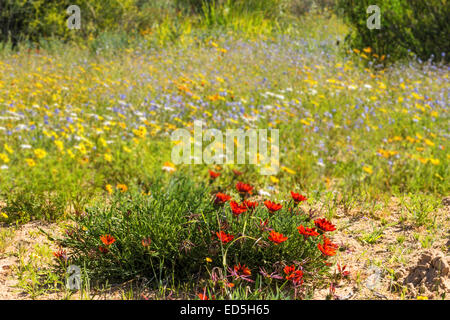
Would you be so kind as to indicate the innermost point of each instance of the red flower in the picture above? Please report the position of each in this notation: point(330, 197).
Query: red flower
point(237, 209)
point(60, 254)
point(289, 269)
point(328, 248)
point(324, 224)
point(242, 270)
point(103, 249)
point(225, 238)
point(307, 231)
point(295, 275)
point(342, 270)
point(244, 188)
point(202, 296)
point(213, 174)
point(221, 198)
point(328, 243)
point(146, 242)
point(249, 204)
point(276, 237)
point(272, 206)
point(297, 197)
point(107, 239)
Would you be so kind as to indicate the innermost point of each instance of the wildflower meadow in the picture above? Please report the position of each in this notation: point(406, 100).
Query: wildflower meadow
point(338, 164)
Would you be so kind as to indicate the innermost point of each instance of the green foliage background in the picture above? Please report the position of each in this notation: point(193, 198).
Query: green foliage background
point(407, 27)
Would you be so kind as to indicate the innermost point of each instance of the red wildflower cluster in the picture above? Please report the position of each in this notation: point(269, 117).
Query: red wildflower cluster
point(240, 272)
point(107, 239)
point(296, 276)
point(242, 269)
point(213, 175)
point(324, 225)
point(103, 249)
point(342, 271)
point(221, 198)
point(272, 206)
point(237, 208)
point(244, 188)
point(307, 232)
point(297, 197)
point(60, 254)
point(203, 296)
point(327, 248)
point(250, 205)
point(276, 237)
point(225, 238)
point(146, 242)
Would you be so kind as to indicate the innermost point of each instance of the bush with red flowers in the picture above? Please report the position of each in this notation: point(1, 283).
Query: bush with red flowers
point(173, 229)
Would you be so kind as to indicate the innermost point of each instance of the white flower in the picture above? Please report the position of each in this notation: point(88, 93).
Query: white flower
point(263, 193)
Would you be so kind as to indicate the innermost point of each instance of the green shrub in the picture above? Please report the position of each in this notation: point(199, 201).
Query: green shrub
point(169, 232)
point(39, 19)
point(407, 27)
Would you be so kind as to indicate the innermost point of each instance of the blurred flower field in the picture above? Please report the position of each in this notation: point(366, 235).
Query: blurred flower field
point(78, 129)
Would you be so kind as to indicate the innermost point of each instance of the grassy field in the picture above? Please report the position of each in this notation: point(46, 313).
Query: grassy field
point(85, 141)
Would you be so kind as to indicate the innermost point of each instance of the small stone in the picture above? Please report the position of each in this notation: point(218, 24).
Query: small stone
point(441, 264)
point(425, 258)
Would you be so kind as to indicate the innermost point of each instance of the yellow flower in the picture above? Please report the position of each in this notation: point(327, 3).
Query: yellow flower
point(60, 145)
point(39, 153)
point(8, 148)
point(4, 157)
point(108, 157)
point(368, 169)
point(429, 142)
point(423, 160)
point(126, 149)
point(169, 167)
point(208, 259)
point(122, 187)
point(4, 215)
point(435, 161)
point(30, 162)
point(109, 188)
point(274, 179)
point(140, 132)
point(70, 153)
point(288, 170)
point(422, 298)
